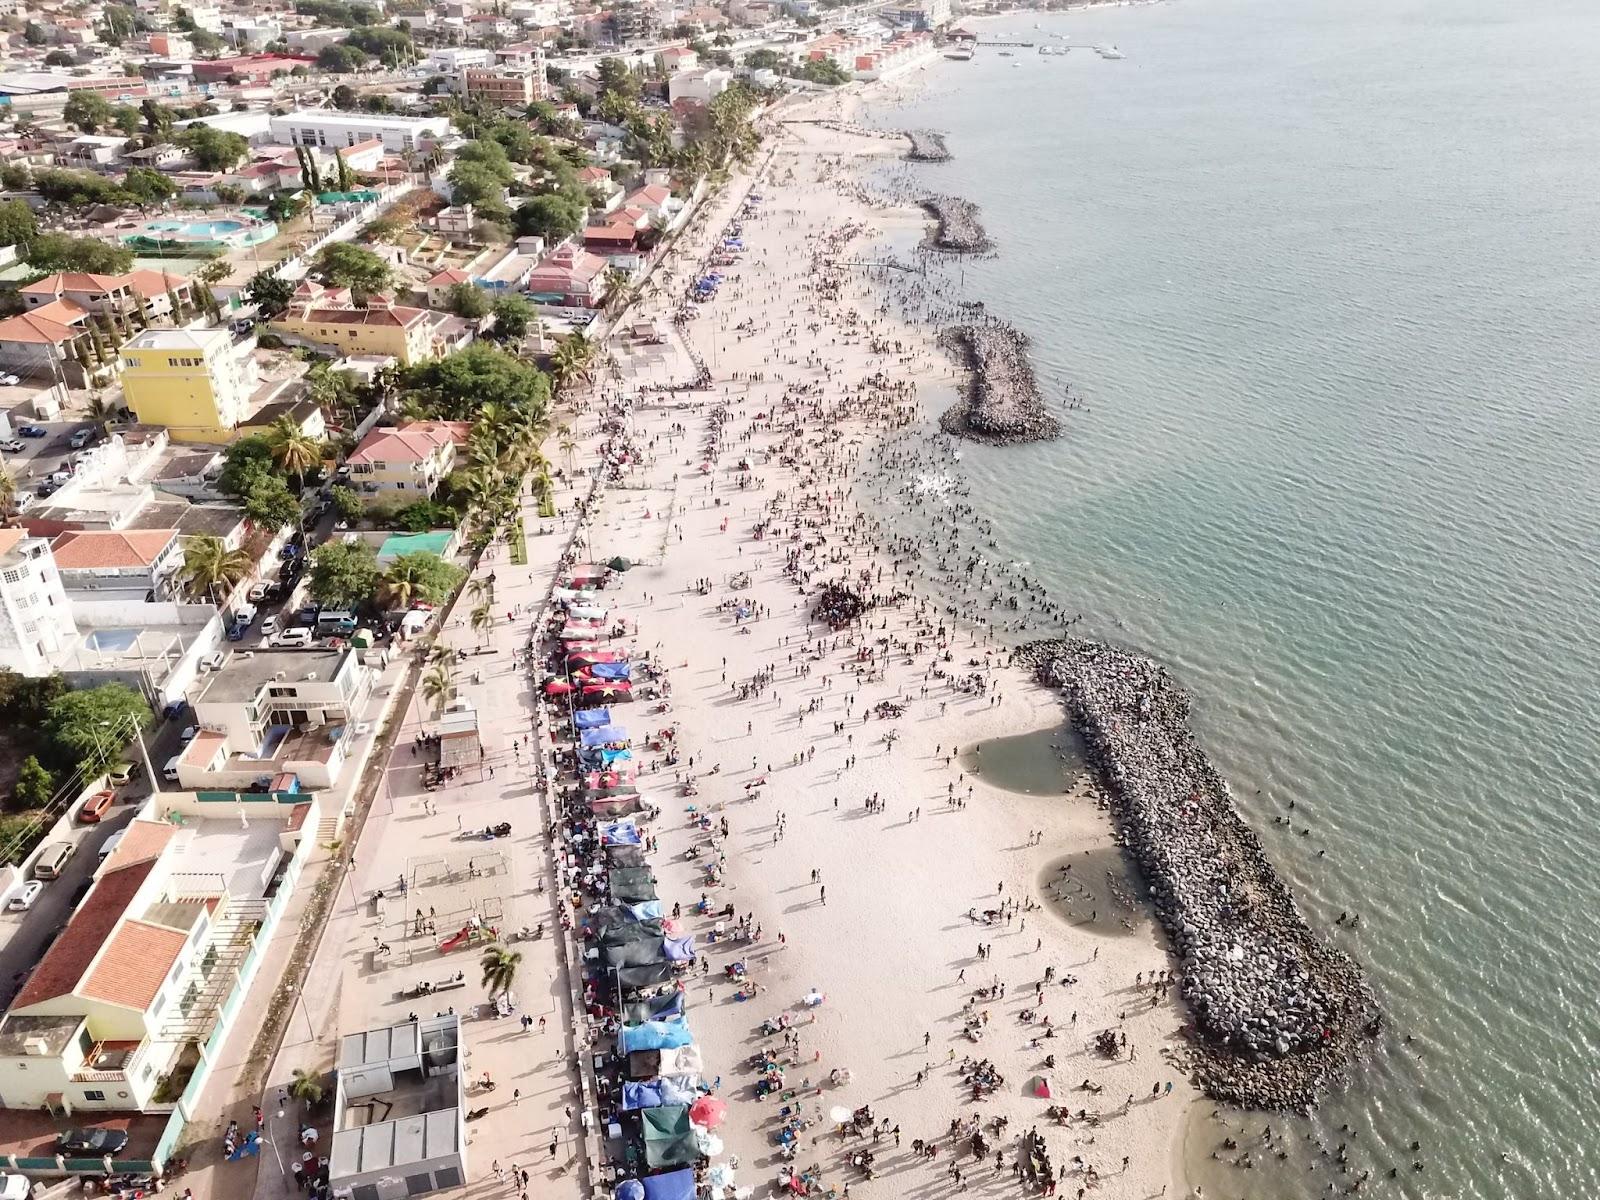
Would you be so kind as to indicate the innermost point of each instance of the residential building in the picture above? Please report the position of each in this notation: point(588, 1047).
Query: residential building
point(507, 87)
point(332, 128)
point(44, 343)
point(35, 618)
point(143, 290)
point(276, 713)
point(252, 34)
point(407, 462)
point(134, 997)
point(399, 1119)
point(131, 564)
point(677, 58)
point(699, 86)
point(456, 223)
point(568, 278)
point(409, 335)
point(452, 60)
point(195, 382)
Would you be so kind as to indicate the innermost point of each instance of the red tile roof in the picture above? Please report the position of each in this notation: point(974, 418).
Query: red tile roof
point(39, 331)
point(415, 442)
point(142, 841)
point(86, 549)
point(64, 964)
point(135, 965)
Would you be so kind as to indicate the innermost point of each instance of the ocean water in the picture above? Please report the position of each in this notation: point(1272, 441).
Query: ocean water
point(1326, 276)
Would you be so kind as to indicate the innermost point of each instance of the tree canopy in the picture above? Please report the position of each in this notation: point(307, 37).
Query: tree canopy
point(93, 723)
point(454, 388)
point(419, 576)
point(339, 59)
point(343, 574)
point(550, 217)
point(89, 111)
point(467, 301)
point(344, 264)
point(63, 252)
point(18, 225)
point(212, 149)
point(512, 317)
point(269, 292)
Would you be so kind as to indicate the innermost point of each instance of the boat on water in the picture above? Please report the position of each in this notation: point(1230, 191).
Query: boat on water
point(959, 53)
point(1005, 54)
point(1109, 52)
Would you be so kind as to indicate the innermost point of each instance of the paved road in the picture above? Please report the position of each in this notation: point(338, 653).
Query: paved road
point(25, 936)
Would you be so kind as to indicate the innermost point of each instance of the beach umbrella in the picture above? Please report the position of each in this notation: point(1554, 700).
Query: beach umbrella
point(708, 1112)
point(1038, 1087)
point(840, 1114)
point(630, 1189)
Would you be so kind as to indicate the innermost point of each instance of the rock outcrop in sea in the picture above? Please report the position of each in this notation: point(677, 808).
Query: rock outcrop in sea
point(957, 226)
point(1278, 1013)
point(1002, 403)
point(927, 146)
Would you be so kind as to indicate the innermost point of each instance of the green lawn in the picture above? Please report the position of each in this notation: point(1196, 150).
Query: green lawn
point(519, 545)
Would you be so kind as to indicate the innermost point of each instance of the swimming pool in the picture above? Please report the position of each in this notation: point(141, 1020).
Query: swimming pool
point(220, 234)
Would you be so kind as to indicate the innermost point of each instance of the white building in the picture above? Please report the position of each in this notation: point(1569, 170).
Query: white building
point(699, 87)
point(35, 618)
point(275, 713)
point(447, 60)
point(328, 128)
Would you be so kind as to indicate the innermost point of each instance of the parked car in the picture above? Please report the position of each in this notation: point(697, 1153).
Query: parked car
point(10, 380)
point(33, 431)
point(96, 805)
point(213, 661)
point(265, 592)
point(121, 774)
point(307, 615)
point(13, 445)
point(23, 501)
point(47, 489)
point(26, 895)
point(269, 626)
point(98, 1142)
point(237, 629)
point(188, 734)
point(295, 638)
point(81, 438)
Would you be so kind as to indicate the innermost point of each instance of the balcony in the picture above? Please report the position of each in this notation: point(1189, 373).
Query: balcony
point(111, 1062)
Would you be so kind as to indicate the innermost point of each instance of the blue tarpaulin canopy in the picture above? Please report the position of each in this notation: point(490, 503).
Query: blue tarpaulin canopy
point(600, 735)
point(591, 718)
point(678, 949)
point(611, 670)
point(619, 833)
point(612, 757)
point(674, 1185)
point(655, 1035)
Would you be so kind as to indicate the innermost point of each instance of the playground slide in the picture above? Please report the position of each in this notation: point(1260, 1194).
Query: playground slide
point(450, 943)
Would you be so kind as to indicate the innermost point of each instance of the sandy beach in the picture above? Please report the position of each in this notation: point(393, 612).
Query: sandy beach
point(866, 857)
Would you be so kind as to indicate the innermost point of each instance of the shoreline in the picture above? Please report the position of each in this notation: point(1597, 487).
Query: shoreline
point(724, 531)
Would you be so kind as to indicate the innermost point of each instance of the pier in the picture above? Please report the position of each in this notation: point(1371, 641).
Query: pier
point(1028, 45)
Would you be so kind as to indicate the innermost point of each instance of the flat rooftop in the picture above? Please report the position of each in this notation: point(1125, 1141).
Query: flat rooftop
point(417, 1118)
point(55, 1032)
point(219, 849)
point(246, 673)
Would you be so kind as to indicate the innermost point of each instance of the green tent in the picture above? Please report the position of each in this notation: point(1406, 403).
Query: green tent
point(668, 1138)
point(619, 564)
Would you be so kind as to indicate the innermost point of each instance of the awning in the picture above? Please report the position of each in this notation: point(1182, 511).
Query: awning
point(668, 1137)
point(611, 670)
point(654, 1035)
point(632, 884)
point(673, 1185)
point(646, 976)
point(654, 1009)
point(601, 735)
point(591, 718)
point(619, 833)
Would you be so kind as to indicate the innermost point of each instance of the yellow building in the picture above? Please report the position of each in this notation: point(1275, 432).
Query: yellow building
point(409, 335)
point(195, 382)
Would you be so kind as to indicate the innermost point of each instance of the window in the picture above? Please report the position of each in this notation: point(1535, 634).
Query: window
point(149, 1070)
point(283, 691)
point(161, 1002)
point(88, 1095)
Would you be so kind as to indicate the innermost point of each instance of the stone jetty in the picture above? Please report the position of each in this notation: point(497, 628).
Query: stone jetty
point(927, 146)
point(1277, 1012)
point(1002, 404)
point(957, 225)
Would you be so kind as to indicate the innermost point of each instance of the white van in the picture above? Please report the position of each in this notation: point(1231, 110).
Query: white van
point(170, 771)
point(296, 637)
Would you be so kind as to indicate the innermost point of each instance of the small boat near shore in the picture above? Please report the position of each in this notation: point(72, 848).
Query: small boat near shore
point(1109, 52)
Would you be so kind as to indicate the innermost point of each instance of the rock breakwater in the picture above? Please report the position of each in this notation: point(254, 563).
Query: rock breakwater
point(1277, 1012)
point(957, 225)
point(927, 146)
point(1002, 404)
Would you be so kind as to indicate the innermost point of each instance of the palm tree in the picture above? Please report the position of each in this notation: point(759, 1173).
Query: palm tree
point(482, 589)
point(616, 284)
point(439, 654)
point(568, 448)
point(482, 620)
point(207, 562)
point(102, 412)
point(306, 1086)
point(401, 583)
point(439, 687)
point(293, 450)
point(499, 969)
